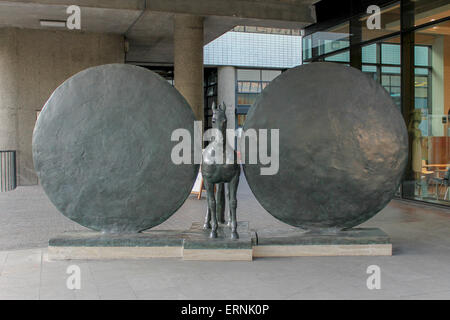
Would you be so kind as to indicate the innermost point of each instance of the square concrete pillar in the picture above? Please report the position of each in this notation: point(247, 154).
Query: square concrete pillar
point(188, 60)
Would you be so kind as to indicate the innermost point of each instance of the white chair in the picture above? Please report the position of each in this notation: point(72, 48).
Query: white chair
point(443, 182)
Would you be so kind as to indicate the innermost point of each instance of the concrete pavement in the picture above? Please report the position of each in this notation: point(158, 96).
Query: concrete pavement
point(417, 270)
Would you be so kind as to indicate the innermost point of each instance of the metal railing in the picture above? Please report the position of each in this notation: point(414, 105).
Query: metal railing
point(8, 173)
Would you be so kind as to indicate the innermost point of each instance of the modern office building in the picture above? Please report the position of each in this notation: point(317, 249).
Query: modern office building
point(239, 64)
point(412, 62)
point(408, 53)
point(38, 52)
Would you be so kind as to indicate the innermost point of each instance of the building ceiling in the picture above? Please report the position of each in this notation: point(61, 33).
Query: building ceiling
point(148, 24)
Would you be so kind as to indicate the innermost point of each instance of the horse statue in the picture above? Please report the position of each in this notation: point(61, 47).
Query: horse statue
point(219, 167)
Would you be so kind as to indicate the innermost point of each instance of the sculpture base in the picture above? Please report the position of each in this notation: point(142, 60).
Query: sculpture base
point(351, 242)
point(199, 246)
point(195, 244)
point(91, 245)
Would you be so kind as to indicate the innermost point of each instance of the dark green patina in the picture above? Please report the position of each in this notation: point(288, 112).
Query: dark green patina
point(360, 236)
point(102, 149)
point(343, 147)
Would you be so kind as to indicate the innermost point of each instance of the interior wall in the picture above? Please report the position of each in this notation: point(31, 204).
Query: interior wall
point(33, 64)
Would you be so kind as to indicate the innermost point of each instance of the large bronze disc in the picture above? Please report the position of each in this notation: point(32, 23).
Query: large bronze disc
point(102, 149)
point(343, 147)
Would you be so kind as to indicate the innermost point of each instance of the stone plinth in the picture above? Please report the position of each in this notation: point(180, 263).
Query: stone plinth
point(192, 244)
point(352, 242)
point(195, 244)
point(94, 245)
point(198, 245)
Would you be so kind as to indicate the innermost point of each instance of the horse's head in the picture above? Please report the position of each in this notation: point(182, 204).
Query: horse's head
point(219, 118)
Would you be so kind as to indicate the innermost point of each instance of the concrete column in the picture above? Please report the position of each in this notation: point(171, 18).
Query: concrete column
point(8, 91)
point(188, 60)
point(33, 64)
point(226, 92)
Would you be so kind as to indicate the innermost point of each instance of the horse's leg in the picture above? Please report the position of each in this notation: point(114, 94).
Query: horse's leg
point(212, 208)
point(227, 196)
point(233, 186)
point(220, 203)
point(207, 224)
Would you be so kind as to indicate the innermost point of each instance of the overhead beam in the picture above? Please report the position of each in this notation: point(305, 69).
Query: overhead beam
point(297, 10)
point(294, 10)
point(102, 4)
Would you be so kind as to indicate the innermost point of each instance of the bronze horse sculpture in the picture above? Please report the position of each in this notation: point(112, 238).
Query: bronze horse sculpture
point(219, 167)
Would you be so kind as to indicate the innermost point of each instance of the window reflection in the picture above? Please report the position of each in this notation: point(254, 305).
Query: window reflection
point(429, 126)
point(324, 42)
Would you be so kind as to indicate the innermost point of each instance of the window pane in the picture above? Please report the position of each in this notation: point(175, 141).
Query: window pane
point(422, 71)
point(371, 69)
point(395, 81)
point(269, 75)
point(421, 56)
point(392, 84)
point(255, 87)
point(246, 98)
point(369, 54)
point(248, 74)
point(307, 47)
point(390, 53)
point(340, 57)
point(331, 40)
point(390, 70)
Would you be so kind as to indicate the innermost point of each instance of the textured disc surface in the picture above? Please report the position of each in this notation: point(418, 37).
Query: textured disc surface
point(343, 147)
point(102, 149)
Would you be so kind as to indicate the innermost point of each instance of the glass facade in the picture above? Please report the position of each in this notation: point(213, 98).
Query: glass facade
point(428, 126)
point(409, 55)
point(325, 42)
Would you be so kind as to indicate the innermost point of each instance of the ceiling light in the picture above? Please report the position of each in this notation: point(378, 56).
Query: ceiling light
point(53, 23)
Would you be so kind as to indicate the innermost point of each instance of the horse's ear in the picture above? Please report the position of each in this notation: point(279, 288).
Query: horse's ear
point(223, 106)
point(214, 106)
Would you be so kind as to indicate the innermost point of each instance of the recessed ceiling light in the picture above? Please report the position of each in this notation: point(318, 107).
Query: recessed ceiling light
point(53, 23)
